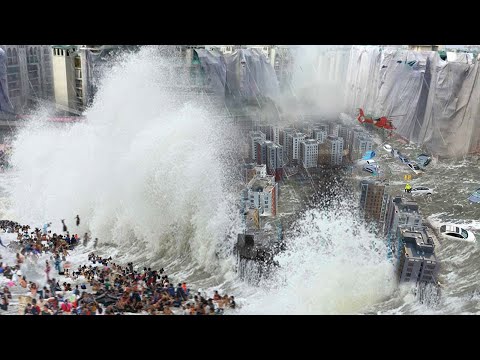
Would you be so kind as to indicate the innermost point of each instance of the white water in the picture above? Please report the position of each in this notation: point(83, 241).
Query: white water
point(333, 266)
point(145, 172)
point(144, 168)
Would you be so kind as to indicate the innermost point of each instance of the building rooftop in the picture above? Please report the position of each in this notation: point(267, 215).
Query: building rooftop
point(296, 134)
point(418, 244)
point(64, 47)
point(373, 182)
point(412, 252)
point(259, 184)
point(310, 142)
point(404, 205)
point(333, 137)
point(256, 133)
point(273, 145)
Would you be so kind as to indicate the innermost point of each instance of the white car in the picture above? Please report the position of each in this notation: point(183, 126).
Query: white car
point(387, 148)
point(363, 162)
point(455, 232)
point(414, 167)
point(370, 168)
point(421, 190)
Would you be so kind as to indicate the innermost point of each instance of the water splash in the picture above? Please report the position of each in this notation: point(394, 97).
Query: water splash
point(145, 167)
point(333, 265)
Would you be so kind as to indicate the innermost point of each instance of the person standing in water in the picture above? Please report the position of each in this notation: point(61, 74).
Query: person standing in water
point(45, 228)
point(78, 220)
point(64, 226)
point(47, 269)
point(95, 243)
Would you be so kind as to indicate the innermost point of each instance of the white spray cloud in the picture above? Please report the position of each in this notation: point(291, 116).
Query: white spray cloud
point(144, 167)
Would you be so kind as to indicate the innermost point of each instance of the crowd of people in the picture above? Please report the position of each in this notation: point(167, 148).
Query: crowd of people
point(99, 287)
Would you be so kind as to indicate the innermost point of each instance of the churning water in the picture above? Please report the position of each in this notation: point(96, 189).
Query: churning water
point(149, 175)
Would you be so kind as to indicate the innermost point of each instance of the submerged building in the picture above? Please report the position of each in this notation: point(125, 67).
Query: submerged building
point(401, 211)
point(374, 201)
point(262, 195)
point(417, 260)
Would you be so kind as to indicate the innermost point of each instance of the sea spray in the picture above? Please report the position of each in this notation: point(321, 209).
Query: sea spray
point(144, 167)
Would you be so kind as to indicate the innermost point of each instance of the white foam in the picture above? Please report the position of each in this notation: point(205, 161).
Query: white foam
point(144, 167)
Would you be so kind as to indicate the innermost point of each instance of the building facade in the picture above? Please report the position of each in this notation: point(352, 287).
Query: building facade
point(262, 150)
point(262, 195)
point(70, 78)
point(309, 153)
point(293, 144)
point(275, 160)
point(417, 260)
point(319, 135)
point(29, 75)
point(334, 129)
point(284, 136)
point(400, 212)
point(426, 47)
point(374, 201)
point(271, 132)
point(254, 137)
point(362, 142)
point(333, 150)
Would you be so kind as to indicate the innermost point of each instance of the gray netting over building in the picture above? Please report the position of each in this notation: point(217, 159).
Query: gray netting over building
point(437, 101)
point(5, 105)
point(214, 70)
point(250, 75)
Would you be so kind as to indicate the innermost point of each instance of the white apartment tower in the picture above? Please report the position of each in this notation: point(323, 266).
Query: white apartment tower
point(254, 137)
point(308, 153)
point(320, 135)
point(335, 150)
point(293, 143)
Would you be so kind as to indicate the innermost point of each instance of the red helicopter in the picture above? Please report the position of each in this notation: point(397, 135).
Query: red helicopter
point(382, 122)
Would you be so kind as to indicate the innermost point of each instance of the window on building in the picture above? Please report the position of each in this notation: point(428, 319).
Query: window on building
point(15, 57)
point(78, 62)
point(9, 57)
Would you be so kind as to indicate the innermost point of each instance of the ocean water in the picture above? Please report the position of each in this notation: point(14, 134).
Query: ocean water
point(150, 173)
